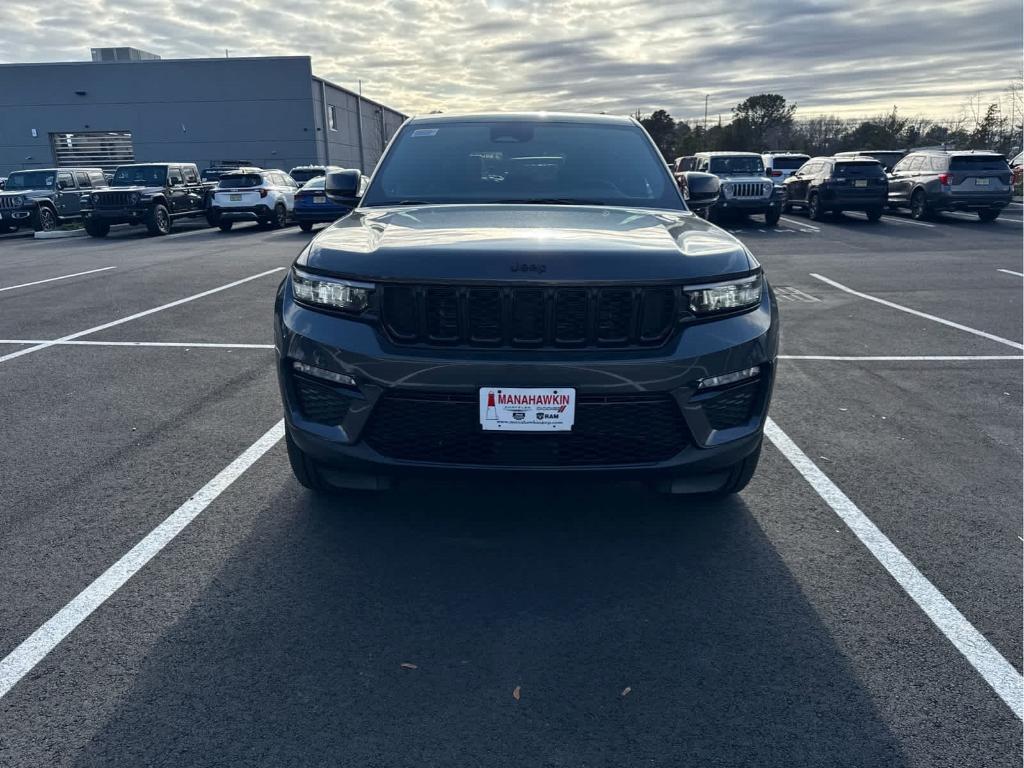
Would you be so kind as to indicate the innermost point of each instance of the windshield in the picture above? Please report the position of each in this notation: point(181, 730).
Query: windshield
point(861, 169)
point(978, 163)
point(524, 161)
point(317, 183)
point(240, 181)
point(140, 175)
point(302, 175)
point(788, 163)
point(30, 180)
point(751, 166)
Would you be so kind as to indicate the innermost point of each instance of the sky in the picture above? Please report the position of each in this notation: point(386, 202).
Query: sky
point(854, 59)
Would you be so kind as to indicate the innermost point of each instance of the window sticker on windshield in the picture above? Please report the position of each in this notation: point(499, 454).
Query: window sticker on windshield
point(424, 132)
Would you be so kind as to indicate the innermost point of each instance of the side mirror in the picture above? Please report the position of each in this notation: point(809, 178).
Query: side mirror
point(700, 190)
point(342, 184)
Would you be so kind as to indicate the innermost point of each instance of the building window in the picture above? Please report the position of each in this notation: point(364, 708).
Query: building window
point(332, 118)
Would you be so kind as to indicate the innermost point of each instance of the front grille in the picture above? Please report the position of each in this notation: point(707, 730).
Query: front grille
point(111, 199)
point(529, 317)
point(7, 202)
point(747, 189)
point(609, 430)
point(731, 407)
point(321, 403)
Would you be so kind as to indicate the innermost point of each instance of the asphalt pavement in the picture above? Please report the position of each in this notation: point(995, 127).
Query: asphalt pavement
point(858, 605)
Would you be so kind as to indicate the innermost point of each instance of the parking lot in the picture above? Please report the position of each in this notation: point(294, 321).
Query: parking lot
point(858, 605)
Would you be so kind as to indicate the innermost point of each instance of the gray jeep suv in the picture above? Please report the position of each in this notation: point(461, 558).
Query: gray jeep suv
point(746, 187)
point(939, 180)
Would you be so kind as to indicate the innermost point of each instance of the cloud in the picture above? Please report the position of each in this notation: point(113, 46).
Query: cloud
point(581, 55)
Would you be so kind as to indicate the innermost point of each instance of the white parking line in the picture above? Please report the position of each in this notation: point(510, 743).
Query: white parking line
point(185, 344)
point(800, 224)
point(51, 279)
point(38, 645)
point(895, 220)
point(901, 308)
point(1011, 272)
point(971, 217)
point(95, 329)
point(899, 358)
point(990, 664)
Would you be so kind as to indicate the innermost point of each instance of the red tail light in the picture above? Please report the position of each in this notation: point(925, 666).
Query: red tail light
point(945, 178)
point(776, 173)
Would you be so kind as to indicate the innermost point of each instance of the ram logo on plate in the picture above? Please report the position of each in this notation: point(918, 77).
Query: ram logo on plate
point(527, 410)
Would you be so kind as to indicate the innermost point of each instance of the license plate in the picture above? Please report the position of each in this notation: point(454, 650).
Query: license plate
point(319, 199)
point(860, 182)
point(527, 410)
point(235, 198)
point(981, 182)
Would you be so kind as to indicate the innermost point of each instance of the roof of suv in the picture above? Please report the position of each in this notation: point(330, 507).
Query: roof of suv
point(727, 154)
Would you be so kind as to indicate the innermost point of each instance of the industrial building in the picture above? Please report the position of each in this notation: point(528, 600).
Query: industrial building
point(128, 106)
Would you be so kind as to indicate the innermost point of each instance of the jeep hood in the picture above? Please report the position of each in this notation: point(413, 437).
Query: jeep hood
point(31, 194)
point(514, 243)
point(140, 190)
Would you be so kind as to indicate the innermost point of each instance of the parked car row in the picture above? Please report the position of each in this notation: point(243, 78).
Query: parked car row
point(155, 195)
point(924, 181)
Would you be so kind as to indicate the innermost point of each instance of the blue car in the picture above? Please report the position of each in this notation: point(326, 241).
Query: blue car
point(312, 206)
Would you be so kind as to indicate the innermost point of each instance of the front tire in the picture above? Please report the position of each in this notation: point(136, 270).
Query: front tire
point(814, 211)
point(987, 216)
point(97, 229)
point(158, 222)
point(225, 226)
point(304, 468)
point(46, 220)
point(874, 214)
point(740, 474)
point(306, 226)
point(771, 216)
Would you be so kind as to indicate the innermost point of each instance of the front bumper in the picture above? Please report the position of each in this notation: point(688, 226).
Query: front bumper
point(385, 372)
point(239, 213)
point(16, 217)
point(748, 204)
point(116, 215)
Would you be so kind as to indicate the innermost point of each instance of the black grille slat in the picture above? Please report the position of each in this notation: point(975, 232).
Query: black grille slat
point(732, 407)
point(609, 430)
point(320, 403)
point(111, 199)
point(529, 316)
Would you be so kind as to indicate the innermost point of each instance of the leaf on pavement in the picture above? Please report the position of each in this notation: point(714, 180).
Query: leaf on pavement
point(626, 690)
point(407, 665)
point(515, 693)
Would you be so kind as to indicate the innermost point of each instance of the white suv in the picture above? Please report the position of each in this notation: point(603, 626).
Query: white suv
point(780, 165)
point(266, 197)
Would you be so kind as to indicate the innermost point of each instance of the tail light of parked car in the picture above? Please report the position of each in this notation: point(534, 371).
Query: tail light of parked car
point(776, 173)
point(945, 179)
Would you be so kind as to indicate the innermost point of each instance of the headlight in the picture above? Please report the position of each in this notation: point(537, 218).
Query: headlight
point(330, 292)
point(730, 296)
point(17, 201)
point(133, 198)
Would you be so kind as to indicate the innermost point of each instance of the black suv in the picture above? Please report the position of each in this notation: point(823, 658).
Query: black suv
point(154, 194)
point(939, 180)
point(46, 198)
point(837, 184)
point(524, 293)
point(887, 157)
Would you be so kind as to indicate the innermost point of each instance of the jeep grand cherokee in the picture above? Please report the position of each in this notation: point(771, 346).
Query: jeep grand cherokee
point(524, 293)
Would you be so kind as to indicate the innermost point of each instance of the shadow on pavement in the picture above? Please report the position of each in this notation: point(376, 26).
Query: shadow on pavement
point(293, 656)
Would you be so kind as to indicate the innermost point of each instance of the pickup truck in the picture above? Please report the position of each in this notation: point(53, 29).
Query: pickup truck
point(45, 198)
point(153, 194)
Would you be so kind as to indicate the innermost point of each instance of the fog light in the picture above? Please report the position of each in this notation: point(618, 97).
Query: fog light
point(320, 373)
point(729, 378)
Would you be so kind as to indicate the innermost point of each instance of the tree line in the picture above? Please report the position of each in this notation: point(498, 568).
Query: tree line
point(767, 122)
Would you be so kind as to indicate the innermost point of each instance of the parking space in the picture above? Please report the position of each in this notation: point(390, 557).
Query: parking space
point(465, 623)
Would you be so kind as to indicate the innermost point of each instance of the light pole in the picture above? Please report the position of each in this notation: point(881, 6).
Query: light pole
point(705, 114)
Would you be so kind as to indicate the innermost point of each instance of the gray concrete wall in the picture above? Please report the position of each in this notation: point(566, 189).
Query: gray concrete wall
point(193, 110)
